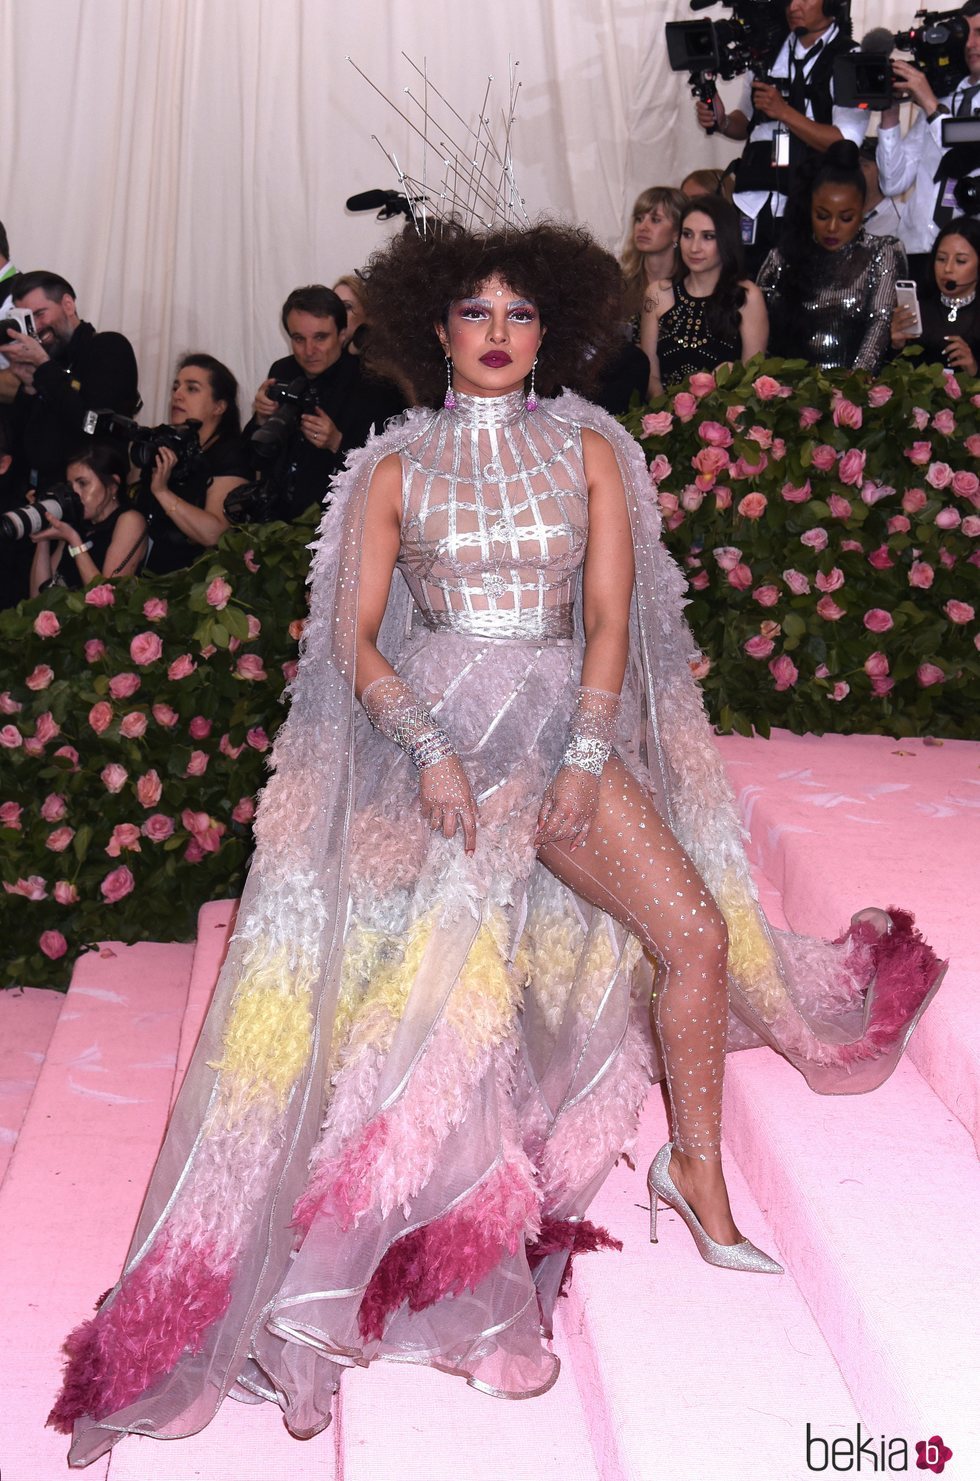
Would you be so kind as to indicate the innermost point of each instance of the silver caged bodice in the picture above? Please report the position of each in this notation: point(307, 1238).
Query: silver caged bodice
point(494, 520)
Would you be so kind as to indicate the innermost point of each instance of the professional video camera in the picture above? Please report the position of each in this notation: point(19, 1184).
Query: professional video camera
point(295, 398)
point(709, 49)
point(60, 502)
point(145, 442)
point(864, 79)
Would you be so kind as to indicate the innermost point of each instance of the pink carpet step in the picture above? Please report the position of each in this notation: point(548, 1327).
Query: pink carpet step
point(27, 1019)
point(838, 822)
point(215, 923)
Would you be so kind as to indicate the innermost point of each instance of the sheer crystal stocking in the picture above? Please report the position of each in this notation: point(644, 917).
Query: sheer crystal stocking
point(631, 866)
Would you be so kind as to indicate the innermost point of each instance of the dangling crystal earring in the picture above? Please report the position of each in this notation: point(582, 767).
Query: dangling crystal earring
point(450, 400)
point(532, 400)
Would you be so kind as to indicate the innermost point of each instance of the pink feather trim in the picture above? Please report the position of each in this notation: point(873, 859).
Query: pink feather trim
point(904, 970)
point(343, 1188)
point(577, 1236)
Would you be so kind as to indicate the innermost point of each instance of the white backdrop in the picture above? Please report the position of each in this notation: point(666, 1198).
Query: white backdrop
point(184, 163)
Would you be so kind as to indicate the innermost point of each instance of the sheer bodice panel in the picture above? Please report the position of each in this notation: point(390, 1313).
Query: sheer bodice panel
point(495, 520)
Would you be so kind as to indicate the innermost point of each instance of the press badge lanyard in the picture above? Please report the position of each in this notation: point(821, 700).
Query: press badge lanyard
point(799, 70)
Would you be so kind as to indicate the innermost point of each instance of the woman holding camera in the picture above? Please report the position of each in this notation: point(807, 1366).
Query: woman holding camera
point(949, 310)
point(108, 540)
point(187, 508)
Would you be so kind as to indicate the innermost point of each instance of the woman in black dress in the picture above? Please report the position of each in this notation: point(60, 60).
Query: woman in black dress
point(109, 539)
point(950, 313)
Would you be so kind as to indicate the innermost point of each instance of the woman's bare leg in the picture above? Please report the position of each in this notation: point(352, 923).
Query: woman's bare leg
point(632, 867)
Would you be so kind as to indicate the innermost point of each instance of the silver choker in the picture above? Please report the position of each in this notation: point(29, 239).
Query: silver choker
point(953, 305)
point(489, 411)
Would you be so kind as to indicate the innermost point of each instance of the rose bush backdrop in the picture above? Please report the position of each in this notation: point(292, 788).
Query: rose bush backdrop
point(135, 722)
point(829, 528)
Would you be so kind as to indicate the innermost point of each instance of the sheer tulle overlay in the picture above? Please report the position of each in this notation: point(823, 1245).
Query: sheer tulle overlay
point(420, 1065)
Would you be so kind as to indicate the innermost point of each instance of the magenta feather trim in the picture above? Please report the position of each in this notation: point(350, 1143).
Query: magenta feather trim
point(163, 1309)
point(576, 1236)
point(454, 1253)
point(905, 969)
point(343, 1188)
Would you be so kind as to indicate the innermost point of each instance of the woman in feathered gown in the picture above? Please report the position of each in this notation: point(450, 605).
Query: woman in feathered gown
point(495, 806)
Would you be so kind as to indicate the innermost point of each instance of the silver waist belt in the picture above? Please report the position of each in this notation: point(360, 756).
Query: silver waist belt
point(552, 624)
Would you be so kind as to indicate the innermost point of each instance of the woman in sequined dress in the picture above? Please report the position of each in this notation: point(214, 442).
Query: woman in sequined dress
point(950, 312)
point(710, 314)
point(495, 804)
point(830, 285)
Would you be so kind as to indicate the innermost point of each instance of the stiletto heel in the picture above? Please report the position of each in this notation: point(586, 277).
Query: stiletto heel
point(742, 1256)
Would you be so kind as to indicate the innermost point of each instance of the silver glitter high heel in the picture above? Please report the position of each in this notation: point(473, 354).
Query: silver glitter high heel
point(742, 1256)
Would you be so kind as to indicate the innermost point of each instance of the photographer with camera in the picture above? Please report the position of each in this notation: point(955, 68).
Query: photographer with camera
point(8, 381)
point(189, 478)
point(88, 532)
point(920, 160)
point(66, 368)
point(315, 405)
point(786, 116)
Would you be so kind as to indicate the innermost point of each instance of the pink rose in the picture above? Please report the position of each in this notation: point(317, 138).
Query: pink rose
point(740, 577)
point(948, 559)
point(65, 893)
point(972, 444)
point(71, 754)
point(766, 596)
point(209, 650)
point(32, 746)
point(200, 727)
point(797, 493)
point(133, 725)
point(124, 836)
point(753, 506)
point(145, 648)
point(10, 814)
point(193, 853)
point(944, 422)
point(10, 737)
point(198, 763)
point(227, 749)
point(702, 383)
point(872, 493)
point(9, 705)
point(743, 469)
point(40, 677)
point(840, 691)
point(673, 521)
point(928, 674)
point(46, 728)
point(58, 840)
point(715, 434)
point(760, 435)
point(696, 583)
point(913, 500)
point(877, 620)
point(939, 475)
point(657, 424)
point(846, 414)
point(121, 686)
point(898, 525)
point(46, 624)
point(53, 808)
point(920, 453)
point(778, 448)
point(723, 497)
point(158, 827)
point(149, 789)
point(831, 580)
point(685, 405)
point(660, 468)
point(824, 457)
point(181, 667)
point(921, 574)
point(766, 388)
point(850, 469)
point(251, 563)
point(289, 670)
point(165, 715)
point(249, 666)
point(876, 664)
point(840, 507)
point(770, 629)
point(727, 556)
point(100, 596)
point(920, 418)
point(971, 526)
point(53, 944)
point(32, 888)
point(815, 539)
point(295, 628)
point(758, 647)
point(882, 686)
point(100, 716)
point(257, 738)
point(117, 885)
point(668, 502)
point(828, 609)
point(94, 650)
point(878, 395)
point(809, 417)
point(218, 593)
point(700, 667)
point(959, 612)
point(205, 831)
point(155, 610)
point(951, 387)
point(966, 484)
point(948, 518)
point(244, 811)
point(784, 671)
point(708, 463)
point(692, 498)
point(881, 559)
point(114, 777)
point(733, 414)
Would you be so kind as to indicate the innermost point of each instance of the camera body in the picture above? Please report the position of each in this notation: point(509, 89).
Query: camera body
point(294, 399)
point(937, 45)
point(750, 41)
point(16, 321)
point(145, 442)
point(60, 502)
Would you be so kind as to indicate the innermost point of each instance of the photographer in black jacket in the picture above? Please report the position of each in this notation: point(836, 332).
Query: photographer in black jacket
point(331, 410)
point(68, 370)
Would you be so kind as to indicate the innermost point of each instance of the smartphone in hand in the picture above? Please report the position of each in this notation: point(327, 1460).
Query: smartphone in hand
point(907, 297)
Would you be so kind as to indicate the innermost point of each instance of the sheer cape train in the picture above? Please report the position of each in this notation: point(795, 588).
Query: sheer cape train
point(418, 1068)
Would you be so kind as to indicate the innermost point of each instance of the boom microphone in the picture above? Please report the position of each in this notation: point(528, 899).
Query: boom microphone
point(879, 41)
point(370, 200)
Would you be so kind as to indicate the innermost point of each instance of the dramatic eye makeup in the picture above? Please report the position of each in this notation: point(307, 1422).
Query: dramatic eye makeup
point(521, 310)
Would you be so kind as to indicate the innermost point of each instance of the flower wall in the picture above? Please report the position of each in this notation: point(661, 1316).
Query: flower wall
point(829, 527)
point(135, 721)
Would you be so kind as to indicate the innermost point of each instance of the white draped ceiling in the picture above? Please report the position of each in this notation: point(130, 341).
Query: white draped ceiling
point(185, 162)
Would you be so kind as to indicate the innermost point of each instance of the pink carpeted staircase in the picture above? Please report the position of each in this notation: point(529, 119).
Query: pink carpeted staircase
point(671, 1369)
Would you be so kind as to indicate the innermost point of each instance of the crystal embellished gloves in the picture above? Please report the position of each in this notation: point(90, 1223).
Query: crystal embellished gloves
point(396, 711)
point(572, 796)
